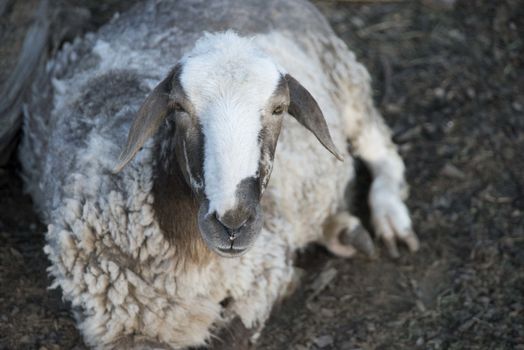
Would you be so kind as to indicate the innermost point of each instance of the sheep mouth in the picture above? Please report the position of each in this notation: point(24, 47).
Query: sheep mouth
point(231, 252)
point(224, 242)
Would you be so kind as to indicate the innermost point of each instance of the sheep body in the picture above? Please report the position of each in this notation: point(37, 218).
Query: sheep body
point(128, 285)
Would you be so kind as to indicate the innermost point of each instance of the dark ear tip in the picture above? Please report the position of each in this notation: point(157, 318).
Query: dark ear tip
point(336, 153)
point(121, 163)
point(330, 146)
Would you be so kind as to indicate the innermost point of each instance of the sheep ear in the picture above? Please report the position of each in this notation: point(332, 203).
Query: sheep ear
point(305, 109)
point(147, 120)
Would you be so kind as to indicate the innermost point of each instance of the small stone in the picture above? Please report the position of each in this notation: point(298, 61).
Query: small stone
point(347, 345)
point(300, 347)
point(393, 108)
point(409, 134)
point(323, 341)
point(440, 4)
point(420, 306)
point(16, 253)
point(439, 92)
point(322, 281)
point(327, 313)
point(14, 311)
point(429, 128)
point(25, 339)
point(452, 171)
point(346, 298)
point(357, 21)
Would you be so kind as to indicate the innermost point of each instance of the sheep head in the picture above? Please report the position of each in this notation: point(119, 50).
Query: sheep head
point(226, 99)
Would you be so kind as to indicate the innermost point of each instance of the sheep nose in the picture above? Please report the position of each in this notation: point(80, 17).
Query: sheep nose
point(232, 221)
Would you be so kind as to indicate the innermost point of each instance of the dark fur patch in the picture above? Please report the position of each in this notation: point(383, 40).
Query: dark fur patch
point(175, 204)
point(103, 95)
point(248, 197)
point(176, 209)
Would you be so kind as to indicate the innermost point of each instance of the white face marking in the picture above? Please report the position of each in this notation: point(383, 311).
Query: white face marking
point(229, 82)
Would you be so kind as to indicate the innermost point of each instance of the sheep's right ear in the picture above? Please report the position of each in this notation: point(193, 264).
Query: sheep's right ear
point(148, 119)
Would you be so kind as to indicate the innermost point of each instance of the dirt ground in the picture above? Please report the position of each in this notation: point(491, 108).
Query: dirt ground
point(450, 82)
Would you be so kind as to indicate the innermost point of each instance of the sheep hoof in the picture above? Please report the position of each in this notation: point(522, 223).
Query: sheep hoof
point(391, 221)
point(360, 239)
point(408, 237)
point(344, 236)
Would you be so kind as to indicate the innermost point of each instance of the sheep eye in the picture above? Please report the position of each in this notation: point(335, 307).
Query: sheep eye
point(278, 110)
point(178, 107)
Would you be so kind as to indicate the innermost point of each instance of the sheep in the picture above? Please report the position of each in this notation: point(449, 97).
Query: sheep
point(152, 155)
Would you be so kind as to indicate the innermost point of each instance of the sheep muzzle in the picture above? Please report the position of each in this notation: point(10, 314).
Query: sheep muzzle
point(234, 232)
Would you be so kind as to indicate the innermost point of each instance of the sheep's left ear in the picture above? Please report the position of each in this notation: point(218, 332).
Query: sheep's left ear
point(148, 119)
point(305, 109)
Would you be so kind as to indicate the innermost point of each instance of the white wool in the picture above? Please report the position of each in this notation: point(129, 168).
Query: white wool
point(229, 81)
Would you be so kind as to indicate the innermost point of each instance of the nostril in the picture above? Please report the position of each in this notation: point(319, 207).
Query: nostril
point(243, 223)
point(231, 222)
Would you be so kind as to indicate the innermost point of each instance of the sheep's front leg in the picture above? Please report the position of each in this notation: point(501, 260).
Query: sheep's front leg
point(344, 235)
point(390, 216)
point(371, 140)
